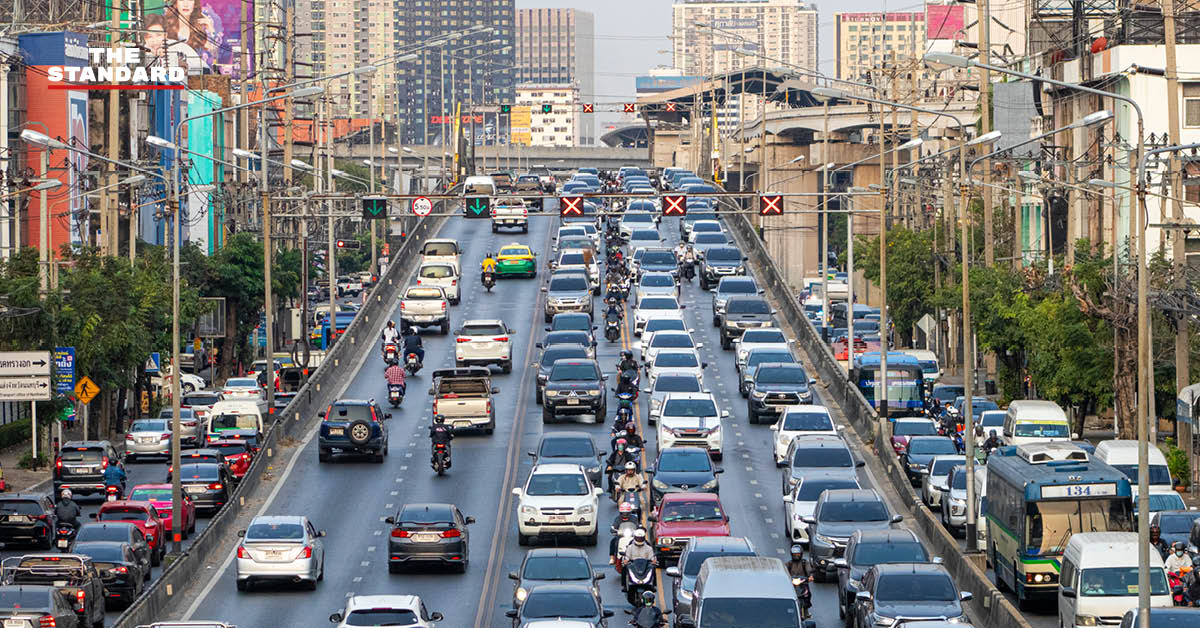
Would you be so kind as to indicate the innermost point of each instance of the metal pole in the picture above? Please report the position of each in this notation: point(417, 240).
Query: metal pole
point(849, 286)
point(824, 263)
point(176, 425)
point(268, 306)
point(371, 178)
point(884, 338)
point(332, 262)
point(968, 349)
point(44, 229)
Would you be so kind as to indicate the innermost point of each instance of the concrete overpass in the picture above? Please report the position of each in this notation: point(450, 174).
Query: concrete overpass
point(553, 157)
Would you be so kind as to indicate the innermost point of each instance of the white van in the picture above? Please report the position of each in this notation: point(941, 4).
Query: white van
point(981, 524)
point(1099, 576)
point(1123, 455)
point(930, 368)
point(1035, 421)
point(441, 250)
point(233, 415)
point(479, 186)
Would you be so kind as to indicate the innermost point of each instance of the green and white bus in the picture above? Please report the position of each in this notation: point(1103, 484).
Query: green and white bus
point(1038, 495)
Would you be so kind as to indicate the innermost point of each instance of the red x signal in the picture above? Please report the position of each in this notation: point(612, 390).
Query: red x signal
point(670, 106)
point(674, 205)
point(629, 107)
point(570, 206)
point(588, 107)
point(770, 205)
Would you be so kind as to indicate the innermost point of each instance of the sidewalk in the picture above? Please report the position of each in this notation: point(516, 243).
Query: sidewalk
point(20, 480)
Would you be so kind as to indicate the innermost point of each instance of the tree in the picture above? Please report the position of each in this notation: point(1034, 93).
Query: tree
point(910, 282)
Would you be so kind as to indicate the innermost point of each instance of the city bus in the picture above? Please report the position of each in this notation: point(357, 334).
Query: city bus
point(905, 382)
point(1038, 495)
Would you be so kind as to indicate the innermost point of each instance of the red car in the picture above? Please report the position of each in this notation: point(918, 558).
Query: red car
point(904, 428)
point(238, 456)
point(681, 516)
point(159, 496)
point(144, 516)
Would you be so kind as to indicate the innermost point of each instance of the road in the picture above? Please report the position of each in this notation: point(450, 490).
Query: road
point(350, 499)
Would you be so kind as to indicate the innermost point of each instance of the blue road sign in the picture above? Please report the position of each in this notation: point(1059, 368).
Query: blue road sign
point(64, 370)
point(154, 364)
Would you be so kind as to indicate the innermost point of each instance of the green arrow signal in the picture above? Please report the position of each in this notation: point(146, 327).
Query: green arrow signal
point(478, 206)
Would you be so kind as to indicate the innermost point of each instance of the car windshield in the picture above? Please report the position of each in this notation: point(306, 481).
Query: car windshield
point(1045, 430)
point(763, 336)
point(868, 554)
point(20, 507)
point(850, 511)
point(233, 422)
point(822, 457)
point(913, 428)
point(229, 449)
point(124, 514)
point(683, 462)
point(513, 252)
point(645, 217)
point(960, 480)
point(568, 447)
point(425, 515)
point(484, 329)
point(569, 284)
point(915, 587)
point(1049, 524)
point(807, 421)
point(205, 472)
point(423, 294)
point(645, 234)
point(571, 259)
point(557, 568)
point(1119, 582)
point(781, 375)
point(241, 382)
point(574, 372)
point(202, 399)
point(557, 484)
point(690, 407)
point(1159, 474)
point(439, 249)
point(676, 360)
point(810, 490)
point(665, 324)
point(567, 337)
point(1177, 524)
point(759, 357)
point(931, 446)
point(690, 567)
point(562, 352)
point(658, 303)
point(723, 254)
point(947, 394)
point(658, 257)
point(705, 226)
point(657, 281)
point(993, 419)
point(748, 306)
point(674, 341)
point(149, 426)
point(677, 383)
point(261, 531)
point(736, 287)
point(90, 456)
point(103, 552)
point(382, 617)
point(1166, 501)
point(711, 238)
point(942, 467)
point(691, 511)
point(750, 612)
point(559, 604)
point(437, 272)
point(151, 495)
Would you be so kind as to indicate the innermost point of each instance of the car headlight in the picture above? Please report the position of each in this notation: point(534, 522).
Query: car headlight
point(1086, 620)
point(820, 538)
point(710, 484)
point(954, 620)
point(655, 405)
point(528, 510)
point(586, 509)
point(660, 485)
point(522, 594)
point(593, 392)
point(741, 356)
point(666, 540)
point(593, 469)
point(760, 395)
point(954, 501)
point(550, 393)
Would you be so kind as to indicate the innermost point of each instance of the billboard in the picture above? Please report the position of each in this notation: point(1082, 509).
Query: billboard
point(201, 34)
point(944, 22)
point(199, 227)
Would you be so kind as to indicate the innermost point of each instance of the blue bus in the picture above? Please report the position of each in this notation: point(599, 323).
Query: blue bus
point(905, 382)
point(1038, 495)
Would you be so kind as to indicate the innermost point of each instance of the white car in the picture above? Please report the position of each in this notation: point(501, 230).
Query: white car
point(237, 388)
point(187, 382)
point(800, 420)
point(592, 233)
point(578, 260)
point(649, 307)
point(801, 502)
point(939, 468)
point(691, 420)
point(484, 342)
point(659, 284)
point(281, 548)
point(442, 250)
point(441, 275)
point(668, 383)
point(954, 495)
point(631, 221)
point(675, 361)
point(705, 226)
point(385, 610)
point(648, 238)
point(667, 340)
point(751, 339)
point(557, 500)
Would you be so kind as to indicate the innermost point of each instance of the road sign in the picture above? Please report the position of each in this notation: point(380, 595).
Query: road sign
point(198, 344)
point(629, 108)
point(86, 390)
point(670, 106)
point(674, 204)
point(421, 206)
point(33, 388)
point(154, 364)
point(547, 108)
point(589, 107)
point(211, 322)
point(374, 207)
point(570, 206)
point(24, 363)
point(770, 205)
point(478, 207)
point(349, 244)
point(64, 370)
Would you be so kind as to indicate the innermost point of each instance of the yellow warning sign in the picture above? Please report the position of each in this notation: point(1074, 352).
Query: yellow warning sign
point(86, 389)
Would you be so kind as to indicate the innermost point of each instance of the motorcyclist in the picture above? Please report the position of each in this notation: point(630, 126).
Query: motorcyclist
point(614, 309)
point(992, 442)
point(689, 255)
point(395, 377)
point(624, 514)
point(630, 480)
point(798, 569)
point(390, 334)
point(114, 475)
point(66, 510)
point(1158, 543)
point(638, 549)
point(632, 438)
point(627, 362)
point(680, 249)
point(616, 460)
point(488, 266)
point(440, 434)
point(412, 344)
point(1178, 559)
point(648, 615)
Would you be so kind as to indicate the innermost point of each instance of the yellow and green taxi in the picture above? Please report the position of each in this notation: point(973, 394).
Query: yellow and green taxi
point(516, 259)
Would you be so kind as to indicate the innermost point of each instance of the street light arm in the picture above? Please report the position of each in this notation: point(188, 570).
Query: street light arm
point(971, 166)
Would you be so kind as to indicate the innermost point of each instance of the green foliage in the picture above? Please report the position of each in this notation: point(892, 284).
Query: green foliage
point(1069, 358)
point(27, 461)
point(15, 432)
point(910, 282)
point(1177, 463)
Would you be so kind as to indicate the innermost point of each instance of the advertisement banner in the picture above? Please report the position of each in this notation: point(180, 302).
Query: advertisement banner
point(205, 34)
point(520, 117)
point(202, 171)
point(944, 22)
point(77, 120)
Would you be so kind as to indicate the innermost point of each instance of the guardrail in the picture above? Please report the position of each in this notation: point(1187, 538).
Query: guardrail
point(989, 607)
point(186, 568)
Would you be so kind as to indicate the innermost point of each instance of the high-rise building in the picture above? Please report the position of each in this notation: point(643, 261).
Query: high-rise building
point(561, 125)
point(866, 41)
point(784, 31)
point(559, 46)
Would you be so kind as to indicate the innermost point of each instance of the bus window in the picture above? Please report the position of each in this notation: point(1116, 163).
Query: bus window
point(1050, 524)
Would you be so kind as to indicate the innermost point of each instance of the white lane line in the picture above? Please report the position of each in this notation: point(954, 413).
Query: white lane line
point(356, 579)
point(216, 576)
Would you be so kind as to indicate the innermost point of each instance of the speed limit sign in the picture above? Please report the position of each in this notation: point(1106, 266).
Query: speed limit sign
point(421, 206)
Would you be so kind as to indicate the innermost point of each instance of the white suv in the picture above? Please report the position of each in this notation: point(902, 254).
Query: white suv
point(799, 420)
point(691, 420)
point(483, 342)
point(558, 500)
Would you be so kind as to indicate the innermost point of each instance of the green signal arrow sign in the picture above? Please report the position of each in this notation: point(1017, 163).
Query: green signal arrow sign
point(479, 207)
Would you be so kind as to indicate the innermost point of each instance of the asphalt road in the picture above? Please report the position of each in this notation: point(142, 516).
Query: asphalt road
point(349, 499)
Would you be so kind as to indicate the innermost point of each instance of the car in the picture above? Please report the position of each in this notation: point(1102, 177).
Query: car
point(1176, 525)
point(954, 492)
point(777, 385)
point(758, 337)
point(705, 226)
point(666, 323)
point(574, 387)
point(691, 420)
point(144, 516)
point(160, 496)
point(634, 220)
point(800, 420)
point(148, 437)
point(239, 455)
point(670, 383)
point(385, 610)
point(659, 260)
point(676, 362)
point(906, 428)
point(891, 591)
point(116, 531)
point(683, 575)
point(656, 284)
point(552, 354)
point(482, 342)
point(867, 548)
point(762, 355)
point(571, 321)
point(802, 501)
point(1167, 617)
point(553, 565)
point(516, 259)
point(37, 605)
point(567, 292)
point(425, 306)
point(119, 568)
point(820, 452)
point(680, 517)
point(353, 426)
point(27, 518)
point(545, 603)
point(569, 337)
point(990, 420)
point(191, 413)
point(570, 447)
point(730, 287)
point(528, 183)
point(741, 314)
point(557, 500)
point(920, 453)
point(242, 388)
point(441, 275)
point(701, 242)
point(80, 466)
point(579, 261)
point(718, 262)
point(650, 306)
point(282, 548)
point(683, 469)
point(648, 238)
point(429, 533)
point(666, 341)
point(939, 468)
point(204, 454)
point(838, 514)
point(698, 209)
point(199, 402)
point(979, 405)
point(206, 483)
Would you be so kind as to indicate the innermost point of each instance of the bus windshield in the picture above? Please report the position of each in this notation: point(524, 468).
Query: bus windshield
point(1050, 524)
point(903, 387)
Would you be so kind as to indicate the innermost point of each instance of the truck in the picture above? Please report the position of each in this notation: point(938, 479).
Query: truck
point(510, 212)
point(463, 397)
point(425, 306)
point(549, 183)
point(73, 574)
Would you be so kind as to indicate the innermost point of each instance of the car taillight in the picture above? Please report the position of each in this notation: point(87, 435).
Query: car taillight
point(443, 305)
point(165, 437)
point(58, 463)
point(402, 305)
point(80, 597)
point(400, 534)
point(121, 569)
point(242, 553)
point(215, 486)
point(463, 339)
point(47, 621)
point(129, 437)
point(104, 462)
point(454, 282)
point(500, 339)
point(418, 282)
point(489, 405)
point(451, 534)
point(435, 402)
point(226, 392)
point(305, 552)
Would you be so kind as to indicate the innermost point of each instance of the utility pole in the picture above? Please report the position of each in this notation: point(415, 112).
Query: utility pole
point(985, 117)
point(109, 227)
point(1182, 365)
point(289, 105)
point(371, 177)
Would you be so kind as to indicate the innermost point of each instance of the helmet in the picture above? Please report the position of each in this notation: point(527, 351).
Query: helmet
point(627, 354)
point(1154, 529)
point(647, 598)
point(797, 552)
point(439, 419)
point(625, 507)
point(639, 535)
point(621, 442)
point(1179, 546)
point(629, 466)
point(391, 324)
point(65, 494)
point(992, 433)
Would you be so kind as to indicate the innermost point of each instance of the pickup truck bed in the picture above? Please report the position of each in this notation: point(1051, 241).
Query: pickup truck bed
point(73, 574)
point(464, 397)
point(507, 215)
point(422, 306)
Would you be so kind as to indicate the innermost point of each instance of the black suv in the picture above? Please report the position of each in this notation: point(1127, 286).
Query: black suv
point(27, 518)
point(353, 426)
point(775, 386)
point(867, 548)
point(742, 313)
point(574, 387)
point(80, 466)
point(720, 261)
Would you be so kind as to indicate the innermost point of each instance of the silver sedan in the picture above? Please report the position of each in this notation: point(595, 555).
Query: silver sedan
point(148, 437)
point(283, 549)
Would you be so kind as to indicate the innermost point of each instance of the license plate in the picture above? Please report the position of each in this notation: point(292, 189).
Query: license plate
point(15, 623)
point(336, 431)
point(17, 519)
point(147, 441)
point(273, 555)
point(194, 489)
point(462, 424)
point(63, 543)
point(572, 402)
point(558, 519)
point(426, 538)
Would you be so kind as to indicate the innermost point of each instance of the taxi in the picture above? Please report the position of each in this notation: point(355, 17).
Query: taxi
point(516, 259)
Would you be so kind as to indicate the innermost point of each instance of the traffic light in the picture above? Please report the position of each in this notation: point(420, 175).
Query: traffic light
point(547, 108)
point(674, 205)
point(570, 206)
point(505, 108)
point(770, 205)
point(374, 207)
point(349, 244)
point(478, 207)
point(589, 107)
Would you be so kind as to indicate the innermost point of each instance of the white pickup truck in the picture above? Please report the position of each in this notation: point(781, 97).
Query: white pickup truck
point(425, 306)
point(463, 396)
point(510, 212)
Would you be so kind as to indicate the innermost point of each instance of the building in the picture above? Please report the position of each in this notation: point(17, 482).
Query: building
point(784, 31)
point(559, 46)
point(866, 41)
point(561, 126)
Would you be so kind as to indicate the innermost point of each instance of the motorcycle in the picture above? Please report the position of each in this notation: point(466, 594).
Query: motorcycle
point(412, 364)
point(112, 493)
point(391, 354)
point(624, 533)
point(1175, 583)
point(441, 458)
point(64, 534)
point(639, 576)
point(803, 595)
point(489, 280)
point(612, 328)
point(647, 617)
point(628, 384)
point(395, 395)
point(689, 271)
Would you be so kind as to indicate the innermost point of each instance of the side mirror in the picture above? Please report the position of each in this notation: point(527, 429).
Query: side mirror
point(604, 377)
point(387, 415)
point(774, 427)
point(787, 498)
point(1074, 436)
point(646, 390)
point(942, 487)
point(598, 576)
point(650, 469)
point(539, 345)
point(774, 312)
point(543, 290)
point(469, 520)
point(897, 518)
point(859, 464)
point(531, 454)
point(321, 533)
point(863, 596)
point(718, 471)
point(965, 596)
point(435, 616)
point(704, 365)
point(745, 258)
point(724, 414)
point(597, 491)
point(810, 520)
point(547, 328)
point(673, 572)
point(335, 618)
point(607, 613)
point(495, 390)
point(431, 390)
point(512, 575)
point(510, 613)
point(699, 345)
point(516, 491)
